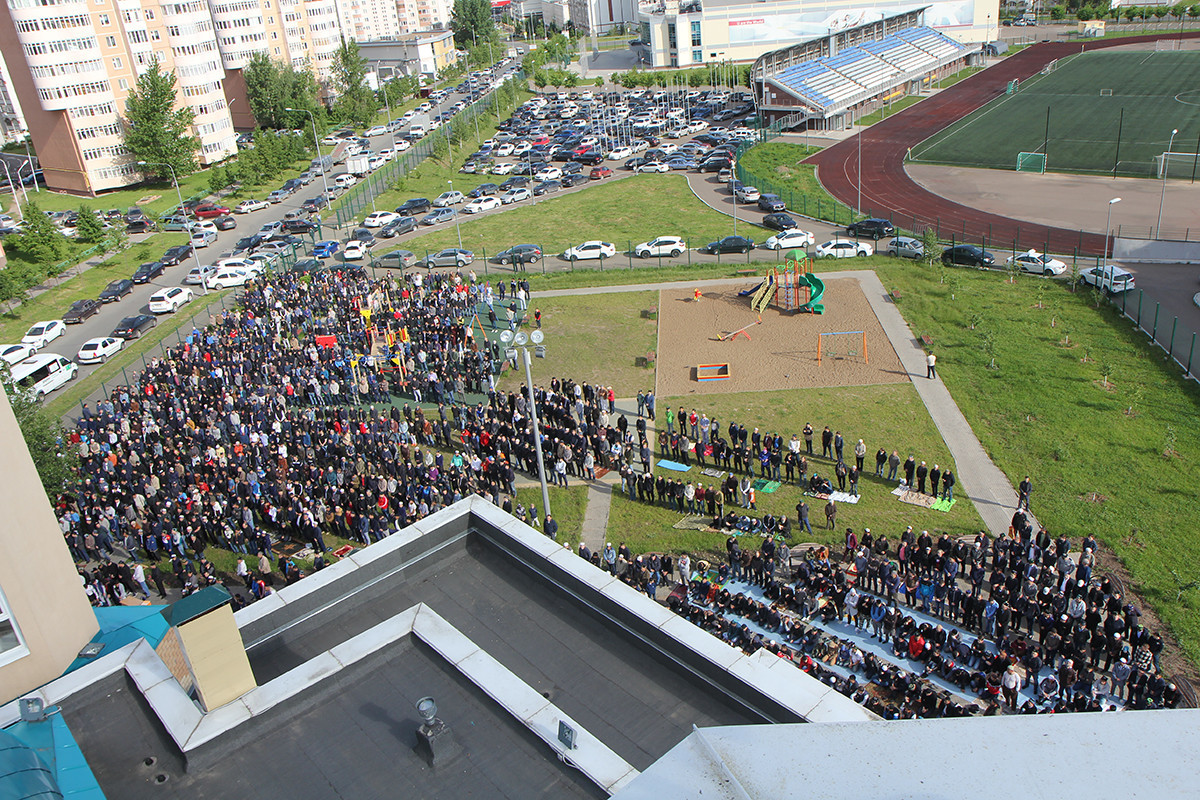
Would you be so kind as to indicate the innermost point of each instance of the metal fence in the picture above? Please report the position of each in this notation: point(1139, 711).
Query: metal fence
point(1147, 316)
point(363, 193)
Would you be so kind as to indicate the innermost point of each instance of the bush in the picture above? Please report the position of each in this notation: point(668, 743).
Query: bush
point(1057, 12)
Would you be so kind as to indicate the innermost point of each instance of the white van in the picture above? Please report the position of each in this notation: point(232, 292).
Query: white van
point(345, 181)
point(41, 374)
point(416, 130)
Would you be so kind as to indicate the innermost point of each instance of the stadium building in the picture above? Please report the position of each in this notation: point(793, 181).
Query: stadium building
point(828, 82)
point(681, 33)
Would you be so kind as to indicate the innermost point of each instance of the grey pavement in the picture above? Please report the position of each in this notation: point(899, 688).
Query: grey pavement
point(595, 518)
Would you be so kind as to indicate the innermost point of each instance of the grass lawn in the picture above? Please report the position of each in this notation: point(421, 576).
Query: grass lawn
point(113, 371)
point(620, 212)
point(53, 303)
point(568, 506)
point(1094, 451)
point(596, 339)
point(776, 167)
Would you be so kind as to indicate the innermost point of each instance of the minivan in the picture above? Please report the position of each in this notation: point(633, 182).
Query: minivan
point(416, 130)
point(344, 181)
point(43, 373)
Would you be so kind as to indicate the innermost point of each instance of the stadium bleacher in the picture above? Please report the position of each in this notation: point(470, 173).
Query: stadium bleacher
point(874, 66)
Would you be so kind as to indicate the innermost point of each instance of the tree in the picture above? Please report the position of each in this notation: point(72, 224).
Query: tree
point(932, 248)
point(1085, 13)
point(355, 101)
point(274, 86)
point(471, 21)
point(88, 228)
point(217, 179)
point(39, 241)
point(1057, 12)
point(55, 460)
point(156, 131)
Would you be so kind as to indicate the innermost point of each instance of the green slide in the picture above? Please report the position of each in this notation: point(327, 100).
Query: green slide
point(817, 286)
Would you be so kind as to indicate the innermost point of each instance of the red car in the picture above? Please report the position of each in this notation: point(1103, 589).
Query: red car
point(206, 210)
point(600, 172)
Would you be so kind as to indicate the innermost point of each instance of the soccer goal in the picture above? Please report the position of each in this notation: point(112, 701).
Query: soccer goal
point(1177, 165)
point(1031, 162)
point(1106, 92)
point(1162, 45)
point(1053, 65)
point(842, 344)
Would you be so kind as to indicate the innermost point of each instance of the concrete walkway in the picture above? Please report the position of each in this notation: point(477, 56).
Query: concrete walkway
point(978, 477)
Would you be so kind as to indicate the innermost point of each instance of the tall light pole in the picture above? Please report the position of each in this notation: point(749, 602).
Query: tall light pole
point(1108, 226)
point(179, 194)
point(1166, 166)
point(16, 199)
point(520, 340)
point(32, 171)
point(457, 227)
point(316, 144)
point(858, 169)
point(386, 103)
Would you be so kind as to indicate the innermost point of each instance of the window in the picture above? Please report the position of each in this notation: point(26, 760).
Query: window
point(110, 41)
point(117, 64)
point(671, 36)
point(697, 56)
point(104, 20)
point(149, 13)
point(696, 35)
point(11, 646)
point(124, 84)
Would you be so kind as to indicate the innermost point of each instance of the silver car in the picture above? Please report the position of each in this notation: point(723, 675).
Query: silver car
point(906, 247)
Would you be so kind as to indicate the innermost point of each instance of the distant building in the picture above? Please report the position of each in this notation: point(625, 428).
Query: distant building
point(423, 15)
point(422, 53)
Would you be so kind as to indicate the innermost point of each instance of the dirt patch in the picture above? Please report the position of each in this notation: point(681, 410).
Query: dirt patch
point(782, 350)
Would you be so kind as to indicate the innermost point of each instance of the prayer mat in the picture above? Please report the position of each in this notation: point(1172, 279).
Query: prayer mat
point(917, 499)
point(344, 551)
point(838, 497)
point(692, 522)
point(764, 485)
point(675, 465)
point(713, 473)
point(943, 505)
point(601, 472)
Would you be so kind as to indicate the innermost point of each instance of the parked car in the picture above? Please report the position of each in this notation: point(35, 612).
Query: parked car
point(134, 326)
point(148, 271)
point(771, 203)
point(1109, 278)
point(515, 195)
point(730, 244)
point(168, 301)
point(81, 310)
point(397, 227)
point(206, 210)
point(176, 223)
point(793, 237)
point(355, 250)
point(520, 254)
point(116, 290)
point(481, 204)
point(41, 334)
point(299, 226)
point(397, 259)
point(662, 246)
point(589, 250)
point(412, 207)
point(651, 166)
point(546, 187)
point(843, 249)
point(176, 255)
point(142, 225)
point(278, 196)
point(314, 204)
point(16, 353)
point(484, 190)
point(906, 247)
point(246, 206)
point(447, 199)
point(967, 255)
point(1038, 263)
point(874, 228)
point(778, 222)
point(227, 277)
point(450, 257)
point(225, 223)
point(198, 274)
point(599, 173)
point(325, 249)
point(746, 194)
point(438, 216)
point(99, 349)
point(377, 219)
point(269, 228)
point(570, 180)
point(203, 238)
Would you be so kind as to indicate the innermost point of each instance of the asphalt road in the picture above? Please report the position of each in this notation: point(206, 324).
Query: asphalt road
point(1170, 288)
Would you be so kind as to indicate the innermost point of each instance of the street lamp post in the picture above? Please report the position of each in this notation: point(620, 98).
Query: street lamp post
point(520, 340)
point(457, 227)
point(858, 169)
point(1108, 226)
point(1166, 166)
point(179, 194)
point(32, 171)
point(16, 199)
point(316, 144)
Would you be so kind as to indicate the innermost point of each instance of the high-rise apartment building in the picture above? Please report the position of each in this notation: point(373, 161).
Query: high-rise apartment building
point(368, 20)
point(73, 62)
point(424, 15)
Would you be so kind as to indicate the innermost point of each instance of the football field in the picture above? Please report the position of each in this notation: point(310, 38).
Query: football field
point(1093, 113)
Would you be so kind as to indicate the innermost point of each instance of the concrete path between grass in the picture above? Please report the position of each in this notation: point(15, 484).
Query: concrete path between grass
point(978, 477)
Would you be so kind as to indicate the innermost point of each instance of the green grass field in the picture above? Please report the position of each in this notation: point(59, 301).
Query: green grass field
point(1157, 92)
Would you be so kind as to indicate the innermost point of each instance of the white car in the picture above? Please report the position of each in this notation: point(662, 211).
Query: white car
point(226, 277)
point(652, 166)
point(482, 204)
point(94, 350)
point(402, 145)
point(515, 195)
point(548, 174)
point(662, 246)
point(697, 126)
point(197, 275)
point(620, 154)
point(503, 168)
point(1111, 279)
point(592, 249)
point(387, 154)
point(43, 333)
point(1038, 263)
point(237, 263)
point(377, 219)
point(16, 353)
point(378, 130)
point(269, 228)
point(447, 199)
point(355, 251)
point(843, 249)
point(168, 301)
point(505, 149)
point(793, 237)
point(331, 140)
point(246, 206)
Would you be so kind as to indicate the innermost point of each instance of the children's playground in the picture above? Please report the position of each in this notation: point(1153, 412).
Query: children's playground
point(789, 330)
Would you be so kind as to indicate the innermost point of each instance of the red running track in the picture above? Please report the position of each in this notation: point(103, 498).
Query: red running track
point(888, 191)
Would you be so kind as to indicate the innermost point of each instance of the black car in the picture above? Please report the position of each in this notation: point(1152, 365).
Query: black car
point(135, 326)
point(225, 223)
point(176, 255)
point(299, 226)
point(591, 158)
point(81, 310)
point(519, 254)
point(771, 203)
point(875, 228)
point(779, 222)
point(545, 187)
point(413, 206)
point(247, 244)
point(148, 271)
point(730, 244)
point(715, 165)
point(308, 265)
point(116, 290)
point(140, 225)
point(292, 185)
point(134, 213)
point(484, 190)
point(397, 227)
point(314, 204)
point(514, 182)
point(967, 255)
point(363, 235)
point(573, 180)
